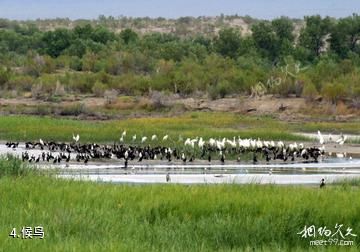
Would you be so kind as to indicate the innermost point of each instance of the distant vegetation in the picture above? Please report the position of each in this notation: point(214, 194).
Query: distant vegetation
point(47, 59)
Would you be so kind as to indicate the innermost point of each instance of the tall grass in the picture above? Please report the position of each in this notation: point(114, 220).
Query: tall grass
point(12, 166)
point(85, 216)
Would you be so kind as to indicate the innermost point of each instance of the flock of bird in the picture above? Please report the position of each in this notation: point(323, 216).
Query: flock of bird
point(185, 151)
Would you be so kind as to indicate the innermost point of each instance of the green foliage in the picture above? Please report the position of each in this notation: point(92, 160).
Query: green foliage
point(309, 91)
point(265, 39)
point(346, 35)
point(57, 41)
point(226, 64)
point(334, 92)
point(13, 167)
point(98, 89)
point(76, 63)
point(314, 35)
point(228, 42)
point(5, 75)
point(128, 36)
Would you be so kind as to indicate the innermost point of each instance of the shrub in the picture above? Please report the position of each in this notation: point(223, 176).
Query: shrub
point(76, 63)
point(309, 92)
point(98, 89)
point(73, 110)
point(21, 82)
point(333, 92)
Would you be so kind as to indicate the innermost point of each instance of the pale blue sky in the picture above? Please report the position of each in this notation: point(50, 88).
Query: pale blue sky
point(267, 9)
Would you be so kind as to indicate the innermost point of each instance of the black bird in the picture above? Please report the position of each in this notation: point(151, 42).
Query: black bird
point(222, 159)
point(322, 183)
point(209, 158)
point(255, 158)
point(168, 177)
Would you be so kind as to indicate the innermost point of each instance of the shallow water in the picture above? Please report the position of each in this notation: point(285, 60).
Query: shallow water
point(331, 169)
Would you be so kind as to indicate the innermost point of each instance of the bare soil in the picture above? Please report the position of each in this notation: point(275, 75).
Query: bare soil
point(287, 109)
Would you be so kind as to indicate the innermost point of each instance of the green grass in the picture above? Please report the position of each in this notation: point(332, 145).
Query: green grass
point(192, 124)
point(352, 127)
point(84, 216)
point(188, 125)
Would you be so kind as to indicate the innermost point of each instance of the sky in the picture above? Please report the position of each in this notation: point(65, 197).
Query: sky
point(90, 9)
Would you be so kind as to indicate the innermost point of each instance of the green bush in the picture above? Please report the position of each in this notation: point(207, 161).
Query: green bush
point(98, 89)
point(73, 110)
point(309, 92)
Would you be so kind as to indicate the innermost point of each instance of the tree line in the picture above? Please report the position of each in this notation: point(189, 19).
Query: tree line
point(320, 59)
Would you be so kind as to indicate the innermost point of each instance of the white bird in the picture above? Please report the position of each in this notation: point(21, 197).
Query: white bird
point(134, 137)
point(321, 138)
point(154, 137)
point(341, 155)
point(201, 143)
point(280, 144)
point(342, 139)
point(165, 137)
point(41, 141)
point(76, 138)
point(143, 139)
point(187, 142)
point(124, 133)
point(122, 139)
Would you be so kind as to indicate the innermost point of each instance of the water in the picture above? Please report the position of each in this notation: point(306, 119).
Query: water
point(331, 169)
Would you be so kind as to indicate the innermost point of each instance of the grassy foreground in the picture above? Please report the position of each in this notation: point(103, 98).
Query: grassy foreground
point(205, 124)
point(86, 216)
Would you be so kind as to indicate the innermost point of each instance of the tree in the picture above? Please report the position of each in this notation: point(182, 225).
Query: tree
point(345, 36)
point(57, 41)
point(83, 32)
point(129, 36)
point(315, 34)
point(102, 35)
point(228, 42)
point(284, 28)
point(77, 48)
point(266, 40)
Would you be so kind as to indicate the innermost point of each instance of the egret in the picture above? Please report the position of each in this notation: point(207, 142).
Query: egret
point(143, 139)
point(154, 137)
point(342, 139)
point(124, 133)
point(321, 138)
point(134, 138)
point(165, 137)
point(76, 138)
